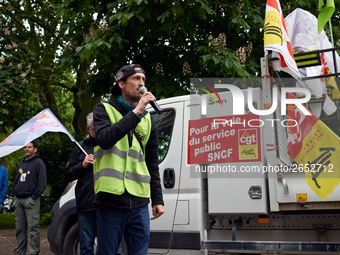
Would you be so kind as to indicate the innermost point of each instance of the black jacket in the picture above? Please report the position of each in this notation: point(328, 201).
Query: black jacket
point(75, 170)
point(107, 135)
point(30, 178)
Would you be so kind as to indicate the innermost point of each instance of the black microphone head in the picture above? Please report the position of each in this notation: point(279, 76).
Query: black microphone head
point(142, 90)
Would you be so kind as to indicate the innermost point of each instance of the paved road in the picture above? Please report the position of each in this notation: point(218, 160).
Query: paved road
point(8, 242)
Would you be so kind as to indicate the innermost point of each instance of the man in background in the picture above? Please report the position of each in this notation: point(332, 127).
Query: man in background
point(30, 181)
point(80, 166)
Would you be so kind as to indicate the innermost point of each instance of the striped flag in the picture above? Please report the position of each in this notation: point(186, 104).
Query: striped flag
point(277, 40)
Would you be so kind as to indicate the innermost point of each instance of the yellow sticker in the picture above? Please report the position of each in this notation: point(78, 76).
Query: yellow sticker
point(301, 197)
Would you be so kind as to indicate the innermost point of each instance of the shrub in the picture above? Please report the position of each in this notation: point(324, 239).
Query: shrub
point(45, 219)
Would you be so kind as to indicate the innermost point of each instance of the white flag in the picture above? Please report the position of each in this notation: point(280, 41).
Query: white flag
point(302, 28)
point(44, 121)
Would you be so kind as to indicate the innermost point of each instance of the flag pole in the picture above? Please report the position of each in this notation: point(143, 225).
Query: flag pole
point(81, 148)
point(330, 28)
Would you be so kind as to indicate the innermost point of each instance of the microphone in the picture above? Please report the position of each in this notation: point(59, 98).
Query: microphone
point(154, 105)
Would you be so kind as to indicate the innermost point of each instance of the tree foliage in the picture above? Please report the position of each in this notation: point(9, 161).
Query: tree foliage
point(174, 40)
point(34, 35)
point(32, 77)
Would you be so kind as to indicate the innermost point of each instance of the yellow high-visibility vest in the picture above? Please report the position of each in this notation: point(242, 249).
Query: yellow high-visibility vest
point(121, 167)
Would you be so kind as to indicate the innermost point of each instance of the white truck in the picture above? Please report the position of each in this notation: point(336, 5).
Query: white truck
point(229, 185)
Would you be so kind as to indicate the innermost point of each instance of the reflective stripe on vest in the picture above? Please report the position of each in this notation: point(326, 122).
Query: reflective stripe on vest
point(129, 171)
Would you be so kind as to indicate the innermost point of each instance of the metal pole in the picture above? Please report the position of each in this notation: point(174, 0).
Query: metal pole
point(81, 148)
point(330, 28)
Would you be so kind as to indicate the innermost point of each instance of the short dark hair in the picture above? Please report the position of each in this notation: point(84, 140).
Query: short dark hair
point(34, 144)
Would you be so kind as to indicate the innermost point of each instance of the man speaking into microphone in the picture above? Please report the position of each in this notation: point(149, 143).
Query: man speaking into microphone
point(125, 165)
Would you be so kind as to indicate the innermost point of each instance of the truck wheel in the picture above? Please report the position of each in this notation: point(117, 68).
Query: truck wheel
point(71, 242)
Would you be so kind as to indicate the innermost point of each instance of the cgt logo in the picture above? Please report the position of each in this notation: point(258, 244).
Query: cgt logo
point(239, 101)
point(248, 144)
point(248, 136)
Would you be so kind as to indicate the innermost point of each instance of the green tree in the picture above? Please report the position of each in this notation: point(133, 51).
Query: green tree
point(174, 40)
point(33, 77)
point(34, 36)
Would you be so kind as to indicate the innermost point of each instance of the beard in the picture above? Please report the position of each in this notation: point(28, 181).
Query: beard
point(132, 97)
point(28, 154)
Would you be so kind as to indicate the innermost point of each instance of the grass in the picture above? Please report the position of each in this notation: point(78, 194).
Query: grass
point(7, 221)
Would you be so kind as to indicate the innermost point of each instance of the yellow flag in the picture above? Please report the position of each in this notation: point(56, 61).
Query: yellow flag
point(332, 87)
point(315, 147)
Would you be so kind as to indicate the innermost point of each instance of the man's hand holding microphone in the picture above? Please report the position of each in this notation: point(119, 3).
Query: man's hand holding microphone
point(147, 97)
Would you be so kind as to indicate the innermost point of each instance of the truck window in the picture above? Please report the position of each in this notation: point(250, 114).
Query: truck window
point(164, 122)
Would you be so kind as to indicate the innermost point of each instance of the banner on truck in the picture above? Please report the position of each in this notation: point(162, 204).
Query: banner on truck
point(224, 139)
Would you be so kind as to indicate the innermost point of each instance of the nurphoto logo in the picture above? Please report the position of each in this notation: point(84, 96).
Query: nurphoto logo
point(238, 104)
point(236, 101)
point(213, 90)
